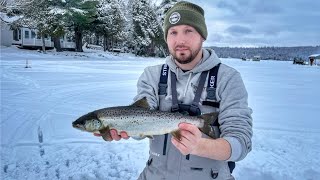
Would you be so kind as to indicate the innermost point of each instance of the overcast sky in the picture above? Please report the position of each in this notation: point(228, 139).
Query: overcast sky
point(262, 22)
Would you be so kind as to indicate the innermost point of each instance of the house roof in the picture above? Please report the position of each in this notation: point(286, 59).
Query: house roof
point(315, 56)
point(7, 19)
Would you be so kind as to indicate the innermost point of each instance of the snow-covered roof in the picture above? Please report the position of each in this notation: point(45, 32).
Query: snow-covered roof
point(316, 56)
point(5, 18)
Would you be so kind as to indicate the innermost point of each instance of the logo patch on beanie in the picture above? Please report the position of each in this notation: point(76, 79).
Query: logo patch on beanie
point(174, 18)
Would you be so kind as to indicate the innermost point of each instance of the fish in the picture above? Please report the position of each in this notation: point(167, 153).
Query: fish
point(139, 121)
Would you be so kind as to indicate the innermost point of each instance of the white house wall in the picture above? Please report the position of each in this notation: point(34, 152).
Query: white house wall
point(6, 35)
point(36, 42)
point(67, 44)
point(33, 41)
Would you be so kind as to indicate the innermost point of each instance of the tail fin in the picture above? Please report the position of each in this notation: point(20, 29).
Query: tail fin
point(208, 128)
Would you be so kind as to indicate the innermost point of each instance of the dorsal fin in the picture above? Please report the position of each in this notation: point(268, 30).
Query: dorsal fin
point(142, 103)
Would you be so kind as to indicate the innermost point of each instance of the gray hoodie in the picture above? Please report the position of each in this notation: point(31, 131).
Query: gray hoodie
point(165, 161)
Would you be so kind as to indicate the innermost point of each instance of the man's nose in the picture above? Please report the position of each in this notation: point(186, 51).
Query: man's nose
point(182, 39)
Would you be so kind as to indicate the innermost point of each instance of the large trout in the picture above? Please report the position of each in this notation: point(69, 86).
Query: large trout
point(139, 121)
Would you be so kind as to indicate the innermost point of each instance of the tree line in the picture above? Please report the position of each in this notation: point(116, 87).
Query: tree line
point(135, 24)
point(268, 53)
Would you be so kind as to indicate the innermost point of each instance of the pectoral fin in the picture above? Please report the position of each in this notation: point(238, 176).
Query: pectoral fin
point(105, 133)
point(176, 134)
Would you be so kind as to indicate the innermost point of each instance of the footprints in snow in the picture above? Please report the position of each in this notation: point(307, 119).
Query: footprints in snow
point(40, 139)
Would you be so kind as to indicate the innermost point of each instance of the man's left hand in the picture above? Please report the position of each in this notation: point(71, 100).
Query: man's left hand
point(190, 139)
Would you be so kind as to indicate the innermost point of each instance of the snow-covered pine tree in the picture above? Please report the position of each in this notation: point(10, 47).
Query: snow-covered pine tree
point(34, 15)
point(80, 14)
point(145, 27)
point(3, 5)
point(121, 33)
point(111, 22)
point(162, 9)
point(54, 16)
point(57, 24)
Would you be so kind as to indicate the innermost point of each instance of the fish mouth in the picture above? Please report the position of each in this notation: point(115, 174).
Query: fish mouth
point(78, 126)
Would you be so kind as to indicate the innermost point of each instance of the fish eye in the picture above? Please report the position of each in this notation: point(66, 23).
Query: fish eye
point(96, 123)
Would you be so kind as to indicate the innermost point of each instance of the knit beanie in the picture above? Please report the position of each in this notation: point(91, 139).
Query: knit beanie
point(185, 13)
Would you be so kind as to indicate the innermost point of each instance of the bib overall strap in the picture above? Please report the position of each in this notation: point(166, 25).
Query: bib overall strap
point(163, 85)
point(194, 108)
point(175, 104)
point(211, 88)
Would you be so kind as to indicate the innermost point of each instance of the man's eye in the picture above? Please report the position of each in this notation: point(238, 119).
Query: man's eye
point(173, 33)
point(189, 30)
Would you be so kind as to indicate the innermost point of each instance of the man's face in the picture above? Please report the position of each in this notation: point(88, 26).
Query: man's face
point(184, 43)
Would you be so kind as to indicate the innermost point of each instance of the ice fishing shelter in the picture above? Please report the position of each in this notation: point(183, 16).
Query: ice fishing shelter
point(313, 59)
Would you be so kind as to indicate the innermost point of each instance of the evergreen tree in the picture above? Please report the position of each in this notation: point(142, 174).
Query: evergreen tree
point(57, 24)
point(111, 22)
point(35, 15)
point(146, 29)
point(3, 5)
point(47, 17)
point(80, 14)
point(163, 8)
point(136, 23)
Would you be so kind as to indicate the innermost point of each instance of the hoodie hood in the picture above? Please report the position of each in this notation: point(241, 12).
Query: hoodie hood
point(208, 61)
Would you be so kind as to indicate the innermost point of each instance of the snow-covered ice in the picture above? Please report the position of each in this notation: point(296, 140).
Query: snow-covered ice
point(39, 103)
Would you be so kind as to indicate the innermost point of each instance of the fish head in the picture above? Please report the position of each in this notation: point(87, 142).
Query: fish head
point(89, 122)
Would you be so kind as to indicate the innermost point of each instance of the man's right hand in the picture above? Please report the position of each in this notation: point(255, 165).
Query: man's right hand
point(112, 135)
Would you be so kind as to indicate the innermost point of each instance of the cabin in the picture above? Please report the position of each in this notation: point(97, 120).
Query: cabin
point(256, 58)
point(28, 38)
point(313, 59)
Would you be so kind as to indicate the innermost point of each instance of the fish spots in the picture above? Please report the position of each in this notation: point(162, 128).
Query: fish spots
point(136, 122)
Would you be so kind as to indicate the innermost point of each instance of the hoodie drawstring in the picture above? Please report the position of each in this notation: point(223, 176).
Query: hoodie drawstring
point(188, 81)
point(187, 85)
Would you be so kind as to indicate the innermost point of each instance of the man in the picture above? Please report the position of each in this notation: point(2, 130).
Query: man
point(195, 155)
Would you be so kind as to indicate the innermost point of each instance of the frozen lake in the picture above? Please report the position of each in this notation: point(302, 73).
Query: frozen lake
point(39, 103)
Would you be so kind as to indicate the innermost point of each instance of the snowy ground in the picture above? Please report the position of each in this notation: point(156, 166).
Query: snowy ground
point(39, 103)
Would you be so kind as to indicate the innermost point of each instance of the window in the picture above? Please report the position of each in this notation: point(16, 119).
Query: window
point(15, 35)
point(68, 39)
point(33, 34)
point(26, 35)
